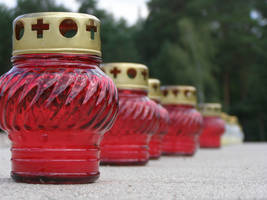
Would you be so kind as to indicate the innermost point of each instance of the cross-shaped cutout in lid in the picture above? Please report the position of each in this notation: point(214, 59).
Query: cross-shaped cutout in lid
point(144, 73)
point(165, 93)
point(92, 28)
point(40, 27)
point(175, 92)
point(115, 71)
point(155, 86)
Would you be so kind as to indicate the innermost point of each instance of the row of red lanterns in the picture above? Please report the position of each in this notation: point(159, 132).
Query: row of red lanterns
point(57, 105)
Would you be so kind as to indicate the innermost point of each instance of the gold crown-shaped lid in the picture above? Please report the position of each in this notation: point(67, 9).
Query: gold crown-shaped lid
point(233, 119)
point(127, 75)
point(225, 116)
point(210, 109)
point(180, 94)
point(56, 32)
point(154, 91)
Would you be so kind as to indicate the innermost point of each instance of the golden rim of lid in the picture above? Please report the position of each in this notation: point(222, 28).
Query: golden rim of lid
point(154, 91)
point(127, 75)
point(225, 116)
point(179, 94)
point(210, 109)
point(233, 119)
point(56, 32)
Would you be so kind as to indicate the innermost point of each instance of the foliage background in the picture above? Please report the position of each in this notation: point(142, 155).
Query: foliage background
point(218, 46)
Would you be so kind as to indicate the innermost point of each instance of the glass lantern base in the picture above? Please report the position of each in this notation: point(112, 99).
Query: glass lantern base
point(124, 154)
point(124, 162)
point(56, 179)
point(155, 157)
point(154, 154)
point(55, 166)
point(180, 145)
point(210, 142)
point(155, 147)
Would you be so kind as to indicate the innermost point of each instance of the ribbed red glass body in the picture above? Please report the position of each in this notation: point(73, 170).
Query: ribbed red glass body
point(185, 126)
point(212, 131)
point(155, 144)
point(127, 141)
point(55, 107)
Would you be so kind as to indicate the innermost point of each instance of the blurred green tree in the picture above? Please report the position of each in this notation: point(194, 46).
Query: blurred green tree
point(220, 44)
point(116, 35)
point(239, 38)
point(190, 61)
point(31, 6)
point(5, 38)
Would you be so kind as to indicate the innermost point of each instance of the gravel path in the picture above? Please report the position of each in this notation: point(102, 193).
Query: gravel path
point(233, 172)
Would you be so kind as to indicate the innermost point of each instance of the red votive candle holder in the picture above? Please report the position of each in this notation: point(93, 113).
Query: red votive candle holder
point(155, 144)
point(213, 127)
point(127, 141)
point(185, 121)
point(56, 103)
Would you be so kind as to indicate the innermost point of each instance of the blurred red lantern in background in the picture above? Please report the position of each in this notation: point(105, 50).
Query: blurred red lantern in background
point(138, 118)
point(213, 126)
point(155, 144)
point(185, 121)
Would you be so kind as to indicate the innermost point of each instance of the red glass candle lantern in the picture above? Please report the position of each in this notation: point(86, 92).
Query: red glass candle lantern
point(127, 141)
point(213, 126)
point(185, 121)
point(55, 103)
point(155, 144)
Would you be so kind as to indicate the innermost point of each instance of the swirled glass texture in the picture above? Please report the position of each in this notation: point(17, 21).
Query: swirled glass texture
point(127, 141)
point(185, 126)
point(55, 108)
point(155, 144)
point(213, 129)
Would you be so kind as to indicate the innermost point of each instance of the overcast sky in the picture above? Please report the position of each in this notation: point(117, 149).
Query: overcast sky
point(128, 9)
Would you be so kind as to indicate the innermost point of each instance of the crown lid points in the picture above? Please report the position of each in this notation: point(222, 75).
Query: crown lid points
point(154, 91)
point(210, 109)
point(179, 94)
point(127, 75)
point(56, 32)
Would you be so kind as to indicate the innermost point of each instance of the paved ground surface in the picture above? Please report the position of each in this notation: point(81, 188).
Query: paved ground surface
point(233, 172)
